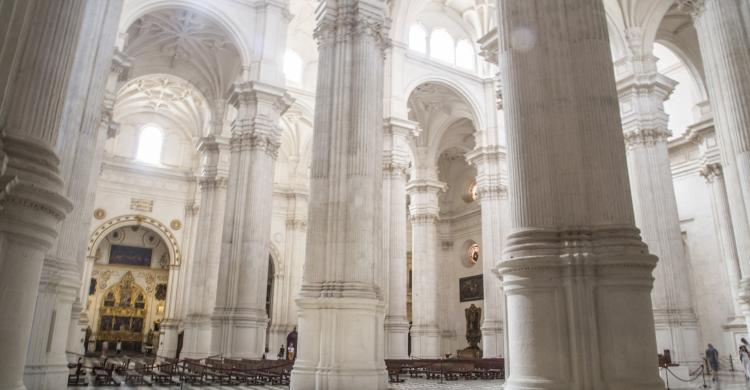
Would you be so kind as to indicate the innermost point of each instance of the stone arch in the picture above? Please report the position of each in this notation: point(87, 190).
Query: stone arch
point(457, 88)
point(153, 224)
point(233, 30)
point(278, 264)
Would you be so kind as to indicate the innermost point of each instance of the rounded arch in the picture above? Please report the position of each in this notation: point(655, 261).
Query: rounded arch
point(692, 68)
point(156, 226)
point(461, 91)
point(275, 255)
point(130, 15)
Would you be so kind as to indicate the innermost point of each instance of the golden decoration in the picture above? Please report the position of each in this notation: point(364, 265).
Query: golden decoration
point(176, 224)
point(100, 214)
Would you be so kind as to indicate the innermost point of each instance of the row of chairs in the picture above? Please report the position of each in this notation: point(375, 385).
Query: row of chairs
point(448, 369)
point(172, 372)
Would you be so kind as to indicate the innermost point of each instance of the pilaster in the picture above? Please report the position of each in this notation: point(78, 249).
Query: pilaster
point(239, 318)
point(576, 275)
point(341, 302)
point(424, 212)
point(492, 193)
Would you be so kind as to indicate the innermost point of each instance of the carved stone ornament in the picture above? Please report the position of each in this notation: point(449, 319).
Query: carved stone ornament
point(100, 213)
point(176, 224)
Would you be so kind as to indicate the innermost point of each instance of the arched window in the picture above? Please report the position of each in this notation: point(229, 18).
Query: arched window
point(293, 66)
point(681, 102)
point(442, 46)
point(464, 55)
point(150, 143)
point(418, 38)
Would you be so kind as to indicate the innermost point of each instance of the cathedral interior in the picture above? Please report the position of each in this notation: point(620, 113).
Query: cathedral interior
point(372, 194)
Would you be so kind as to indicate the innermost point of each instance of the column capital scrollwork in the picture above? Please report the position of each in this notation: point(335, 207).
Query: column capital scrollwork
point(645, 137)
point(491, 191)
point(210, 183)
point(259, 107)
point(711, 172)
point(296, 224)
point(423, 218)
point(343, 22)
point(694, 7)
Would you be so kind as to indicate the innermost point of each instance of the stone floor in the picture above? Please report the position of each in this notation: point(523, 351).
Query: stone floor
point(727, 381)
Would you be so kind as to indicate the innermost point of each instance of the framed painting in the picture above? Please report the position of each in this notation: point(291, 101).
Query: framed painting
point(471, 288)
point(130, 255)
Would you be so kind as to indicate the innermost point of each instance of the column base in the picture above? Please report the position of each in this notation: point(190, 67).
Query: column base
point(168, 340)
point(573, 298)
point(492, 339)
point(239, 333)
point(426, 342)
point(396, 338)
point(679, 331)
point(340, 344)
point(47, 376)
point(197, 337)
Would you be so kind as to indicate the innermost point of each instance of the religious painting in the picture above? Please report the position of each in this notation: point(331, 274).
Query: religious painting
point(130, 255)
point(137, 325)
point(109, 301)
point(161, 291)
point(122, 324)
point(106, 323)
point(92, 286)
point(471, 288)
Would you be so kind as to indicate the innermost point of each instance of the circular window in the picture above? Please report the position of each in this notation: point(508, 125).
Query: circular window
point(470, 254)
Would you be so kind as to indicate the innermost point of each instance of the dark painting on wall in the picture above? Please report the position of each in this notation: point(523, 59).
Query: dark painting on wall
point(92, 286)
point(471, 288)
point(130, 255)
point(161, 291)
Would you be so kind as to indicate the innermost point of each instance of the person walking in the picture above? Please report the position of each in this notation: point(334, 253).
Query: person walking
point(745, 359)
point(712, 357)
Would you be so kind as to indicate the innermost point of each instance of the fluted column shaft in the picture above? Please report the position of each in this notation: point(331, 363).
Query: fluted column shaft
point(725, 49)
point(491, 193)
point(577, 277)
point(642, 94)
point(205, 260)
point(239, 320)
point(341, 303)
point(46, 362)
point(423, 214)
point(714, 176)
point(395, 164)
point(41, 43)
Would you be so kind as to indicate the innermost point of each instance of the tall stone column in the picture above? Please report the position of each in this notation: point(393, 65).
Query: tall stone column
point(289, 279)
point(576, 275)
point(38, 59)
point(395, 164)
point(642, 94)
point(341, 307)
point(46, 361)
point(725, 49)
point(108, 129)
point(423, 214)
point(239, 319)
point(491, 193)
point(205, 261)
point(714, 176)
point(170, 324)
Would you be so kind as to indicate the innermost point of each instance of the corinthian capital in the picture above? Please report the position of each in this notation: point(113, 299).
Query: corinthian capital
point(694, 7)
point(711, 172)
point(344, 20)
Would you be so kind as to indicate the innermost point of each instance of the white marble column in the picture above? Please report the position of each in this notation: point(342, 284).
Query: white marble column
point(289, 278)
point(395, 164)
point(491, 193)
point(205, 260)
point(725, 49)
point(239, 319)
point(108, 129)
point(714, 176)
point(38, 62)
point(169, 326)
point(576, 275)
point(642, 94)
point(341, 307)
point(46, 361)
point(423, 214)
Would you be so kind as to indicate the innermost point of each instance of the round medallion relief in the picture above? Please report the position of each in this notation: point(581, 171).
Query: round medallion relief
point(100, 214)
point(176, 224)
